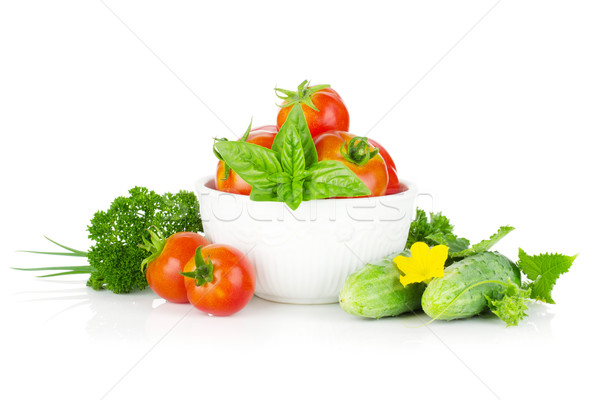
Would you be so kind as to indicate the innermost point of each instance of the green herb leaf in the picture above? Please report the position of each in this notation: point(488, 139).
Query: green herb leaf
point(332, 178)
point(422, 228)
point(291, 193)
point(484, 245)
point(269, 194)
point(543, 270)
point(250, 161)
point(292, 153)
point(280, 177)
point(66, 270)
point(454, 243)
point(296, 120)
point(512, 306)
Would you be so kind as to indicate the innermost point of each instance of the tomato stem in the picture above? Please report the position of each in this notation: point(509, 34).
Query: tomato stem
point(203, 273)
point(358, 151)
point(302, 96)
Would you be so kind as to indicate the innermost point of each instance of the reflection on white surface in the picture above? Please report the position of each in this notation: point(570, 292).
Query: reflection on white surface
point(143, 316)
point(100, 339)
point(127, 338)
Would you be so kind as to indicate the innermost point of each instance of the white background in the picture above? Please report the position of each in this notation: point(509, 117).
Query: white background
point(496, 117)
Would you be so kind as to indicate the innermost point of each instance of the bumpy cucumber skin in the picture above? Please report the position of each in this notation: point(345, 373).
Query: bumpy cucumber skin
point(481, 267)
point(375, 291)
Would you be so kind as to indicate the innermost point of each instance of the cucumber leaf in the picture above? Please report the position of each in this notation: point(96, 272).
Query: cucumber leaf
point(543, 270)
point(454, 243)
point(484, 245)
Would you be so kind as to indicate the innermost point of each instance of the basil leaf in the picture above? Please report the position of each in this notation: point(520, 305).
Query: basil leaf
point(292, 153)
point(280, 177)
point(297, 120)
point(291, 193)
point(258, 194)
point(332, 178)
point(250, 161)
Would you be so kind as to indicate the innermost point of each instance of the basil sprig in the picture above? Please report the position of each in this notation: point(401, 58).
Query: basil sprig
point(290, 171)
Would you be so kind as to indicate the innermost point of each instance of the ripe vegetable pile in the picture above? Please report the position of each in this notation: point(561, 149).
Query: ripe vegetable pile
point(308, 155)
point(151, 240)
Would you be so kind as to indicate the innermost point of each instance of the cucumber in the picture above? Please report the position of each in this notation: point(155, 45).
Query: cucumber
point(446, 298)
point(375, 291)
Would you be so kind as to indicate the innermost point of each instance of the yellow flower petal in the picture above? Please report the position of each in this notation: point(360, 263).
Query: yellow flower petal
point(419, 250)
point(424, 263)
point(437, 258)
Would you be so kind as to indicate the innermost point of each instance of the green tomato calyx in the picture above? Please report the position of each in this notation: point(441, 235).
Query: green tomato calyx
point(303, 95)
point(358, 151)
point(203, 273)
point(155, 246)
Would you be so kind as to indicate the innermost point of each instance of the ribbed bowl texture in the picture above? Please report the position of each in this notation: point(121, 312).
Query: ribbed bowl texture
point(304, 256)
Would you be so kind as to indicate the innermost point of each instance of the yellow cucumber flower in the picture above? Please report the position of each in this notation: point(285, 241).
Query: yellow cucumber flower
point(423, 264)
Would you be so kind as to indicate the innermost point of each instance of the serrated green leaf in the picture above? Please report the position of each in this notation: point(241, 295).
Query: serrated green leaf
point(454, 243)
point(543, 270)
point(484, 245)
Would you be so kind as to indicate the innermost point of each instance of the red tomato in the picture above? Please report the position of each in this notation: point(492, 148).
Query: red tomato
point(167, 262)
point(219, 280)
point(328, 112)
point(262, 136)
point(356, 156)
point(394, 185)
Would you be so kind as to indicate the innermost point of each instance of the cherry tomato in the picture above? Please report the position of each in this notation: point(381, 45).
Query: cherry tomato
point(167, 261)
point(394, 185)
point(356, 153)
point(219, 280)
point(323, 108)
point(262, 136)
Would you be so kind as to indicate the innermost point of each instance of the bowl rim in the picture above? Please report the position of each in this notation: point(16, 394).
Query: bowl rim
point(412, 189)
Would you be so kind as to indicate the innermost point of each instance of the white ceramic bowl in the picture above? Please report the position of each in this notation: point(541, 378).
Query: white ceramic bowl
point(304, 256)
